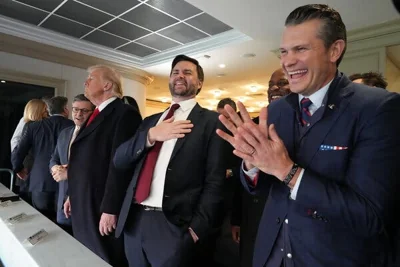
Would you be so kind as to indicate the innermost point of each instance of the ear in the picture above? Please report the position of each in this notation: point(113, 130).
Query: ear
point(336, 50)
point(107, 86)
point(199, 86)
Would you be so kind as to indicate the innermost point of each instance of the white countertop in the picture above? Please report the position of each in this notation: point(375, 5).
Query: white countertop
point(58, 249)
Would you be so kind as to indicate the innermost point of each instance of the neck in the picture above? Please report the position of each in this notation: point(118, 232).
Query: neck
point(178, 99)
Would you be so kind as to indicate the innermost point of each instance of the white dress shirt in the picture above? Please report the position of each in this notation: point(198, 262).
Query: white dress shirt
point(17, 134)
point(316, 98)
point(157, 186)
point(105, 103)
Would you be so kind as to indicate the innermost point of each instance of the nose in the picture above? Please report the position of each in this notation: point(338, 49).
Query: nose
point(288, 60)
point(274, 87)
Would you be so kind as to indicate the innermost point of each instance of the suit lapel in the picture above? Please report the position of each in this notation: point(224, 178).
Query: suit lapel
point(69, 137)
point(288, 120)
point(337, 103)
point(194, 117)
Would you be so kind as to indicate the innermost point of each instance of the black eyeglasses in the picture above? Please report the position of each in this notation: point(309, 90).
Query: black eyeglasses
point(84, 110)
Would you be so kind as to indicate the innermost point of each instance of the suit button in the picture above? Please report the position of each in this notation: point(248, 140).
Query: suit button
point(289, 255)
point(255, 200)
point(138, 152)
point(169, 169)
point(166, 196)
point(278, 220)
point(286, 221)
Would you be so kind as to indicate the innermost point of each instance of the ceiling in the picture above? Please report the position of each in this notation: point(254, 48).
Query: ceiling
point(140, 28)
point(147, 34)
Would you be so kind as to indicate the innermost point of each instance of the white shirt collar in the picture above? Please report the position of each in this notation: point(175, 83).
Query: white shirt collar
point(186, 104)
point(317, 97)
point(105, 103)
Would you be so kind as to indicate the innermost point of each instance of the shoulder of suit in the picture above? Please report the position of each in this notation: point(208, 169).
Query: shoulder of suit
point(67, 130)
point(370, 97)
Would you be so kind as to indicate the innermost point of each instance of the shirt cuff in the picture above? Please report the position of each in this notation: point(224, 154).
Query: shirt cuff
point(148, 144)
point(293, 194)
point(251, 175)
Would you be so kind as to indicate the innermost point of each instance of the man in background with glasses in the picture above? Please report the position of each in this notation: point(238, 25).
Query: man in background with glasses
point(82, 108)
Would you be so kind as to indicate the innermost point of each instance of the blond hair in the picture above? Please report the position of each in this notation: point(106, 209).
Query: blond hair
point(111, 75)
point(35, 110)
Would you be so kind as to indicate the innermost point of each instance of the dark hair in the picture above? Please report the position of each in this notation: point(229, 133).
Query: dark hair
point(200, 72)
point(333, 28)
point(374, 79)
point(82, 97)
point(355, 76)
point(131, 101)
point(57, 104)
point(225, 101)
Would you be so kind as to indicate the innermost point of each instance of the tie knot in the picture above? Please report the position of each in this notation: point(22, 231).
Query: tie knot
point(305, 103)
point(174, 107)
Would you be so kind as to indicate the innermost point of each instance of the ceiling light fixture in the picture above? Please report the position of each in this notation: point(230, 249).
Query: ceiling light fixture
point(253, 88)
point(2, 81)
point(217, 93)
point(242, 99)
point(221, 66)
point(249, 55)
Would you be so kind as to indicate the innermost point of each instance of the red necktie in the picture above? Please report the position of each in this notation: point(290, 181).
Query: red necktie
point(146, 174)
point(94, 114)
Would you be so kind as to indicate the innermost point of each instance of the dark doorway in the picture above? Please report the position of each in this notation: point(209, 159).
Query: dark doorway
point(13, 98)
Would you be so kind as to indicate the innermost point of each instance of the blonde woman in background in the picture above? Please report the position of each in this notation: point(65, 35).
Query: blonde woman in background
point(35, 110)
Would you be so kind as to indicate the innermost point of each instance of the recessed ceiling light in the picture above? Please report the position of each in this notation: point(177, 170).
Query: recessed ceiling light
point(253, 88)
point(206, 56)
point(249, 55)
point(2, 81)
point(164, 99)
point(250, 109)
point(221, 66)
point(221, 75)
point(217, 93)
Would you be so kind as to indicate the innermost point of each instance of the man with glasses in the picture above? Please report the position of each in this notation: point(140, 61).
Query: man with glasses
point(82, 108)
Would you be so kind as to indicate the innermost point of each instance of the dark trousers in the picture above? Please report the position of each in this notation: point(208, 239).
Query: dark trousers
point(151, 240)
point(45, 203)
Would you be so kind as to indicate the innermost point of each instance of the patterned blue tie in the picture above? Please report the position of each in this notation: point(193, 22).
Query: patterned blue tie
point(305, 112)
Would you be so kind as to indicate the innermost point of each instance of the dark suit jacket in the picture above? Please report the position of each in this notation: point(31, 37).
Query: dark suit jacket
point(344, 211)
point(95, 186)
point(41, 137)
point(60, 157)
point(195, 174)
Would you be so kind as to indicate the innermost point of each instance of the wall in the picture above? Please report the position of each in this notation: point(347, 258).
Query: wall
point(68, 80)
point(392, 76)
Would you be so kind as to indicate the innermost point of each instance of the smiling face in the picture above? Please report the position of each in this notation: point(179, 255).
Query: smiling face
point(278, 86)
point(307, 63)
point(184, 81)
point(81, 111)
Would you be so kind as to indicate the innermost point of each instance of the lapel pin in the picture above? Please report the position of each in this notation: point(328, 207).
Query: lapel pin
point(331, 106)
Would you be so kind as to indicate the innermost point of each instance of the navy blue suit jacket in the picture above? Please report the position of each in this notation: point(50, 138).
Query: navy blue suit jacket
point(344, 212)
point(60, 157)
point(41, 137)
